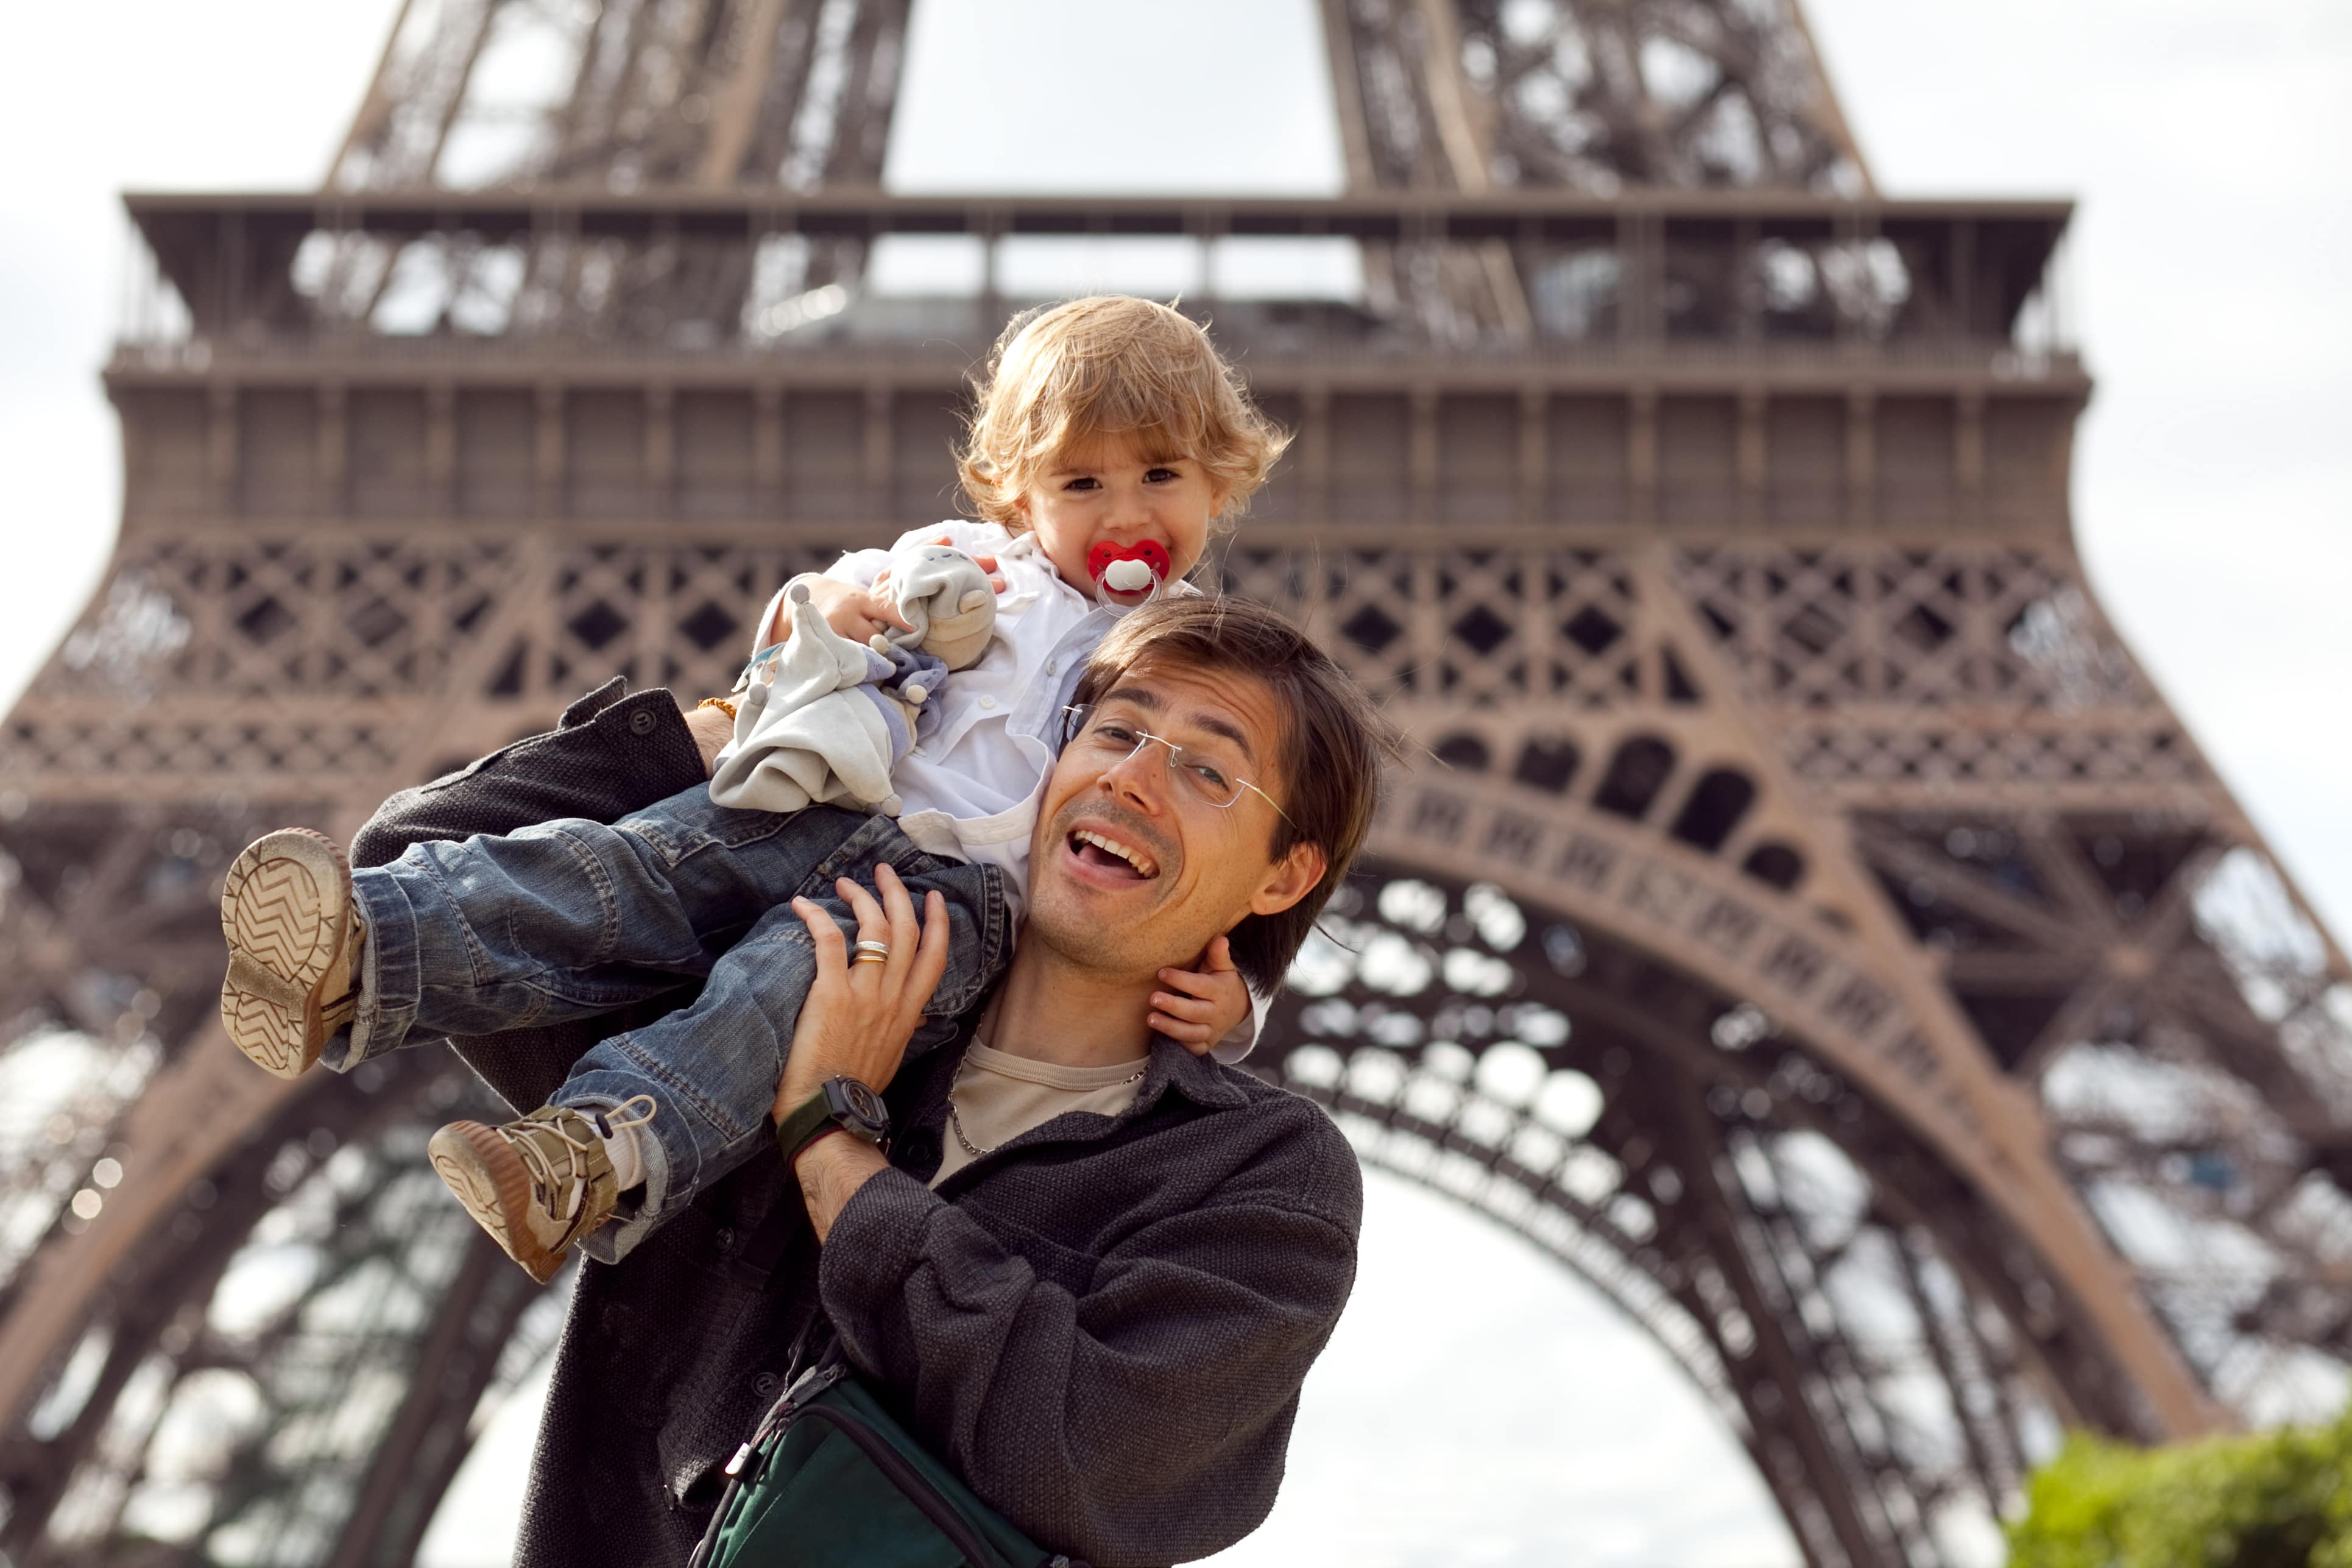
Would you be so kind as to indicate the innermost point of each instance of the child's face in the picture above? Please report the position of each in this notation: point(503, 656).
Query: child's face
point(1107, 490)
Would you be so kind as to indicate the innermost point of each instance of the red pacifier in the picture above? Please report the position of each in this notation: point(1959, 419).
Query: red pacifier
point(1127, 576)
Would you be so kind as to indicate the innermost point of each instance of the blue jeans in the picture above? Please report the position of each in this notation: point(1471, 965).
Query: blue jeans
point(572, 918)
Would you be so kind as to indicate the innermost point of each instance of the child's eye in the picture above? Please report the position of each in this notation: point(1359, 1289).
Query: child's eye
point(1161, 476)
point(1084, 482)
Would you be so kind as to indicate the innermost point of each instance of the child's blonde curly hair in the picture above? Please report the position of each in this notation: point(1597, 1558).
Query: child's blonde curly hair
point(1110, 366)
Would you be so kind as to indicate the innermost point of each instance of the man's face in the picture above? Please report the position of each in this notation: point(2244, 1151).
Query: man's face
point(1133, 868)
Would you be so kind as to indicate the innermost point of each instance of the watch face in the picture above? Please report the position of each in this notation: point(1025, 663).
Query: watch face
point(857, 1101)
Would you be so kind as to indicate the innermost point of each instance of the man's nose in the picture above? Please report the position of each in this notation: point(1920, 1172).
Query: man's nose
point(1140, 777)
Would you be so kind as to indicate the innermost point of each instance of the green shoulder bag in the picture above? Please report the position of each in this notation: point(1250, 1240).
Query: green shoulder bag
point(830, 1480)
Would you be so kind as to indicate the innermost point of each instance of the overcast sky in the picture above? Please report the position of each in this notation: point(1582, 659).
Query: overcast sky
point(1477, 1405)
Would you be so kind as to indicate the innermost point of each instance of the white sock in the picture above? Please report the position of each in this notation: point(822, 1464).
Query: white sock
point(628, 1161)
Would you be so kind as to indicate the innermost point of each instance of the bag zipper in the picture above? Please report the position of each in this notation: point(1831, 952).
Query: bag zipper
point(909, 1480)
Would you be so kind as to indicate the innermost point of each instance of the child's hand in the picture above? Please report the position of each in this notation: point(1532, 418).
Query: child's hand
point(985, 562)
point(1214, 999)
point(853, 612)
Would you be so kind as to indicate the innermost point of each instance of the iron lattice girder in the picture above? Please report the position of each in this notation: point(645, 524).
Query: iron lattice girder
point(1741, 1307)
point(755, 90)
point(1658, 93)
point(231, 257)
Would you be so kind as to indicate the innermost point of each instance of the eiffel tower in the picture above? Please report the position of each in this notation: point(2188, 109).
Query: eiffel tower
point(1807, 923)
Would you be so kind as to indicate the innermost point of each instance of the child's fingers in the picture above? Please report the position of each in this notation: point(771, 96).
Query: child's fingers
point(1193, 1038)
point(1192, 981)
point(1219, 958)
point(1197, 1012)
point(882, 609)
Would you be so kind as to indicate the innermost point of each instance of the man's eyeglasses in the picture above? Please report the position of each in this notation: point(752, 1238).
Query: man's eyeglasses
point(1201, 774)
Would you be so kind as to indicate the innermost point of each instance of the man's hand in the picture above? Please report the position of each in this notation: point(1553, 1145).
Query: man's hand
point(856, 1023)
point(1212, 1003)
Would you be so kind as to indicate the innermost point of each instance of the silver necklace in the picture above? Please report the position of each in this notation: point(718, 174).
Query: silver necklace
point(955, 1119)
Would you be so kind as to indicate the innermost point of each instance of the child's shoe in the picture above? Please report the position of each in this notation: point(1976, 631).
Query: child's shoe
point(293, 949)
point(538, 1184)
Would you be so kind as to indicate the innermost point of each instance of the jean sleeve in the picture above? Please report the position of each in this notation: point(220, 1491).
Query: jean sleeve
point(1130, 1409)
point(611, 755)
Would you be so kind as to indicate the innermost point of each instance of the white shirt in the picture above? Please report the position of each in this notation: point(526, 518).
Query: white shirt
point(971, 790)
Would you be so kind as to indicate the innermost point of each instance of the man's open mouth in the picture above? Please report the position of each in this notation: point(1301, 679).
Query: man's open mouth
point(1100, 849)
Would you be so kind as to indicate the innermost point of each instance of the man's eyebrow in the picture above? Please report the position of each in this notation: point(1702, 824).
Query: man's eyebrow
point(1141, 697)
point(1149, 700)
point(1231, 731)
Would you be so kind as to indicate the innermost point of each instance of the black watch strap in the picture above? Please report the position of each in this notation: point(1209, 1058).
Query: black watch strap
point(836, 1104)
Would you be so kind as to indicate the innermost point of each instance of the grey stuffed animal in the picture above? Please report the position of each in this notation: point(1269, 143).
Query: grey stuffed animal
point(947, 599)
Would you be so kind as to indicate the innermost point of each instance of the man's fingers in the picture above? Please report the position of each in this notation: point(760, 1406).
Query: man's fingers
point(899, 910)
point(872, 924)
point(931, 952)
point(825, 935)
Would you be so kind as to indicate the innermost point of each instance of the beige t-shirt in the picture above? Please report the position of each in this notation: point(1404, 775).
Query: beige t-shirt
point(997, 1098)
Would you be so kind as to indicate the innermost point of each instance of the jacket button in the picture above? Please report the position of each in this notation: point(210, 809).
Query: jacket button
point(723, 1240)
point(765, 1384)
point(641, 722)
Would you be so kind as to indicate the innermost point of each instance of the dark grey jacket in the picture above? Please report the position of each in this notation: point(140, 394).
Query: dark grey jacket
point(1104, 1326)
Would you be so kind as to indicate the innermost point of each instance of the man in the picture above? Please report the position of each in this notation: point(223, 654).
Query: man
point(1094, 1292)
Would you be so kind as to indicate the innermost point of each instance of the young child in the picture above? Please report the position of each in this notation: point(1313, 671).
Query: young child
point(1109, 439)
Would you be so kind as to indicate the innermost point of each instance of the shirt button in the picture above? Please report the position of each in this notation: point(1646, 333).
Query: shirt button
point(985, 702)
point(641, 722)
point(1052, 666)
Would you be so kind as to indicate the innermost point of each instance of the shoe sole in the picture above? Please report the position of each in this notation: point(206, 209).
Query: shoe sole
point(286, 910)
point(488, 1178)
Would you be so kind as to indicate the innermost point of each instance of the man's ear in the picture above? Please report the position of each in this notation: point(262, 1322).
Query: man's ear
point(1291, 879)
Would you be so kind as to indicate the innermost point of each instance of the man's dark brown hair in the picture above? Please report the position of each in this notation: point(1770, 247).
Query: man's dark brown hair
point(1334, 743)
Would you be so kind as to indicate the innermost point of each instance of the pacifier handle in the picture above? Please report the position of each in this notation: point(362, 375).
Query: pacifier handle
point(1127, 576)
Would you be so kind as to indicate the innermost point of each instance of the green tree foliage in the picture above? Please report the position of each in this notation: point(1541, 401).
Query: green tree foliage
point(2271, 1499)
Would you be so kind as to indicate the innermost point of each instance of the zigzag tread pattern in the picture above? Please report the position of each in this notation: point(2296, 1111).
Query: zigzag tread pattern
point(279, 918)
point(278, 915)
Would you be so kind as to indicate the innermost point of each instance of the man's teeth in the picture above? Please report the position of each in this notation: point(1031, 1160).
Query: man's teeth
point(1144, 865)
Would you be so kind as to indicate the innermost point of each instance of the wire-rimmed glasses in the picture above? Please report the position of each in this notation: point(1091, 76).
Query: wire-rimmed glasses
point(1200, 773)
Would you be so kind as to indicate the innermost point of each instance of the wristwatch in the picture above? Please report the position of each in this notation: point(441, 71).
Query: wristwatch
point(842, 1102)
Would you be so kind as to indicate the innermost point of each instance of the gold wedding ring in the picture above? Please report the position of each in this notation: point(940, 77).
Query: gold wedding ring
point(871, 952)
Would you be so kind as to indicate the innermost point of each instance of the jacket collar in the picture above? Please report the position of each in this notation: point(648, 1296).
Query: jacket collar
point(1171, 1069)
point(1200, 1079)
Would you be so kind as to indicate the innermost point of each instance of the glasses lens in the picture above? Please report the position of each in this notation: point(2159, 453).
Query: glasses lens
point(1205, 774)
